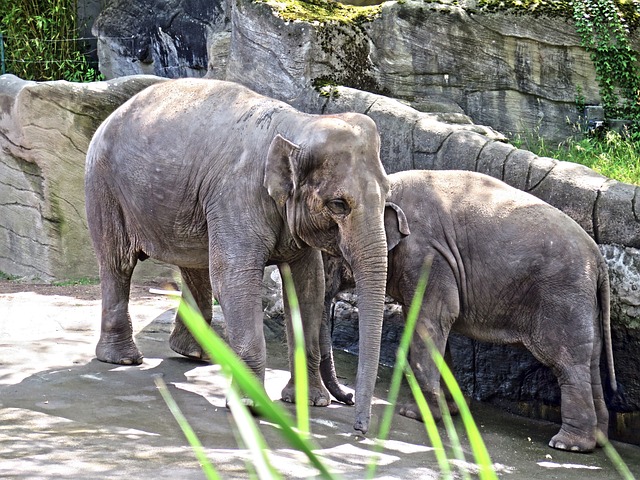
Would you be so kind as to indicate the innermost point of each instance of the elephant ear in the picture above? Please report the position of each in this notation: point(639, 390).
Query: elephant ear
point(279, 175)
point(395, 225)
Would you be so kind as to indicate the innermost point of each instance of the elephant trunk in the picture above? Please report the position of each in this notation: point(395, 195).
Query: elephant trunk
point(369, 267)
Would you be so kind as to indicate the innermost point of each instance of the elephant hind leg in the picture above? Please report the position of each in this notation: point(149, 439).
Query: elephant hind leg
point(569, 352)
point(573, 366)
point(578, 429)
point(196, 284)
point(116, 343)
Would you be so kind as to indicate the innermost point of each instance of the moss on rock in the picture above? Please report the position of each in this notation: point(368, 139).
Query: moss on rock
point(322, 11)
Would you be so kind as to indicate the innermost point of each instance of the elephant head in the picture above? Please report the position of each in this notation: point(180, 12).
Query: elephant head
point(331, 186)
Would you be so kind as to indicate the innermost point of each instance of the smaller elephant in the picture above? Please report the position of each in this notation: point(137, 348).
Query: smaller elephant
point(506, 268)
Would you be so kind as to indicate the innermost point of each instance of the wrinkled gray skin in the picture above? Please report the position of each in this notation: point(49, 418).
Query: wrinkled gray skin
point(506, 268)
point(221, 181)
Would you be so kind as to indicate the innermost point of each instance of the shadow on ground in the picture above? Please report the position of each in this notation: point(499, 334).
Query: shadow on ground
point(63, 414)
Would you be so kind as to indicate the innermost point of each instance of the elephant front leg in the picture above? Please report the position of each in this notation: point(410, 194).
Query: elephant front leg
point(238, 288)
point(116, 343)
point(197, 285)
point(308, 279)
point(425, 370)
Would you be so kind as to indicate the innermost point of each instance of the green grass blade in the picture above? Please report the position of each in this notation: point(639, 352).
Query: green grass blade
point(454, 439)
point(221, 353)
point(615, 457)
point(208, 469)
point(252, 437)
point(299, 355)
point(429, 425)
point(400, 363)
point(480, 452)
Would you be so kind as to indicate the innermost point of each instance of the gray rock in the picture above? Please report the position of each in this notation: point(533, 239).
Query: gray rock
point(45, 129)
point(454, 61)
point(502, 70)
point(167, 38)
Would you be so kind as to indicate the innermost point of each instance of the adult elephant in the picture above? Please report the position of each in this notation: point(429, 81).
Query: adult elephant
point(506, 268)
point(220, 181)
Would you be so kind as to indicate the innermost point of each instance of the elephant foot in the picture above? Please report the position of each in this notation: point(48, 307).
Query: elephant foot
point(120, 353)
point(184, 344)
point(251, 405)
point(318, 395)
point(411, 410)
point(564, 440)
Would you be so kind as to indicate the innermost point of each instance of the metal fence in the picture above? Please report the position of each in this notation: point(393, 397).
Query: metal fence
point(3, 70)
point(87, 50)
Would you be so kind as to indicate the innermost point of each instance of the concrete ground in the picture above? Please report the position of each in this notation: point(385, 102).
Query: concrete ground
point(63, 414)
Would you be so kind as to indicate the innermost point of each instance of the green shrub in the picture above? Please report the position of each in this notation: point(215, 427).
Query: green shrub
point(605, 35)
point(41, 41)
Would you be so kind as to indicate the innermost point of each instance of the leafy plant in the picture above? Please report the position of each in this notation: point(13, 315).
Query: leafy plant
point(41, 41)
point(605, 35)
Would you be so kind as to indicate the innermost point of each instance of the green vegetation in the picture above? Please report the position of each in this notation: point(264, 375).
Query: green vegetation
point(605, 35)
point(612, 154)
point(555, 8)
point(527, 7)
point(77, 281)
point(322, 11)
point(251, 438)
point(40, 41)
point(6, 276)
point(244, 382)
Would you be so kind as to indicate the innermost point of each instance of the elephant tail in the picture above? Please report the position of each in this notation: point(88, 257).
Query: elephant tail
point(604, 298)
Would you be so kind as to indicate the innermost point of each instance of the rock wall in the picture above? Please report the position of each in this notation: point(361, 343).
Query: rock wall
point(45, 129)
point(506, 71)
point(515, 73)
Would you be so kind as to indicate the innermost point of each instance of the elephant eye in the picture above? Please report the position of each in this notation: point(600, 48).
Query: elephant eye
point(338, 206)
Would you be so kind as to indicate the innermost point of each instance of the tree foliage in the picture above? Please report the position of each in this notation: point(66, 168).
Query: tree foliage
point(41, 40)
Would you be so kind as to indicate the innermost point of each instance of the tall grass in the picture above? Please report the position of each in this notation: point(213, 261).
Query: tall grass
point(246, 385)
point(244, 381)
point(611, 154)
point(402, 367)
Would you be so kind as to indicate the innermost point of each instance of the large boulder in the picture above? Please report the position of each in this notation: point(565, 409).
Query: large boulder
point(605, 208)
point(45, 129)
